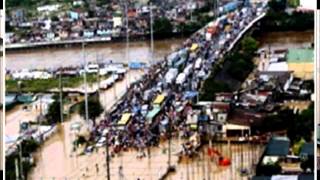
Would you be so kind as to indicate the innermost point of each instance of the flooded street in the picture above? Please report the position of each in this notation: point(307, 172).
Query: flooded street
point(242, 156)
point(55, 159)
point(56, 153)
point(57, 57)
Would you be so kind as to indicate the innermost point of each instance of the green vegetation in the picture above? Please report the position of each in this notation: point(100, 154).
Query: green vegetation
point(296, 148)
point(298, 126)
point(21, 3)
point(277, 5)
point(28, 147)
point(241, 60)
point(94, 108)
point(270, 169)
point(240, 66)
point(29, 4)
point(301, 126)
point(200, 17)
point(279, 20)
point(43, 85)
point(162, 27)
point(211, 87)
point(193, 26)
point(293, 3)
point(53, 116)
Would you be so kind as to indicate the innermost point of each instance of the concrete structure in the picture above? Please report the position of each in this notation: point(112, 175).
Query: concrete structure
point(307, 4)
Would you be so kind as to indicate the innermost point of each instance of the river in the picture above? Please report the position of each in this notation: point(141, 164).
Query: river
point(280, 40)
point(73, 56)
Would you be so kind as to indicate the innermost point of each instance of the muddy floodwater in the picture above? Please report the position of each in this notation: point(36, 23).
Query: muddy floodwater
point(57, 57)
point(279, 40)
point(55, 159)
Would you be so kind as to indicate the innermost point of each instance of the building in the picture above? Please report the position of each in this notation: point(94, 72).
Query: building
point(307, 4)
point(278, 159)
point(287, 177)
point(300, 61)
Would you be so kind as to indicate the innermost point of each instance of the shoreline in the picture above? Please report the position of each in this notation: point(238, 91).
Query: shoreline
point(78, 42)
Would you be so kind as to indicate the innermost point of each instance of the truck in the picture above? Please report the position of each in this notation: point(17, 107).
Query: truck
point(171, 75)
point(181, 78)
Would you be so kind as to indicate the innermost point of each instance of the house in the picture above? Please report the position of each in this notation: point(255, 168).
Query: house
point(220, 111)
point(74, 15)
point(117, 22)
point(223, 97)
point(287, 177)
point(18, 15)
point(63, 34)
point(235, 130)
point(88, 33)
point(132, 13)
point(307, 5)
point(10, 99)
point(77, 3)
point(278, 158)
point(49, 8)
point(43, 103)
point(50, 36)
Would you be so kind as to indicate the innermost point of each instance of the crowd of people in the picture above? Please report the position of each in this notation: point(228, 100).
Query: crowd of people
point(141, 132)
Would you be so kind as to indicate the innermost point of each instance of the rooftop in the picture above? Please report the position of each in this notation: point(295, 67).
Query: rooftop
point(278, 146)
point(300, 56)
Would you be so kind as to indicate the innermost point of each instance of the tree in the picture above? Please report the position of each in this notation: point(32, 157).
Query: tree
point(53, 116)
point(240, 69)
point(94, 109)
point(278, 5)
point(55, 18)
point(162, 26)
point(211, 87)
point(302, 125)
point(249, 45)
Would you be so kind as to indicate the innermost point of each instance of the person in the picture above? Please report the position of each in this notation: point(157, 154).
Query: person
point(97, 168)
point(121, 175)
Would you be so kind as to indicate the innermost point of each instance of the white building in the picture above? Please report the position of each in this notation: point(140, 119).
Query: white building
point(308, 4)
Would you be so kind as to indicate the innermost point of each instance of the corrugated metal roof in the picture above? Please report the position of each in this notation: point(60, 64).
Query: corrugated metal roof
point(308, 148)
point(278, 146)
point(300, 56)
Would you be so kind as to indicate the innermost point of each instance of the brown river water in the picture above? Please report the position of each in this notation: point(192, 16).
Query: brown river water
point(57, 57)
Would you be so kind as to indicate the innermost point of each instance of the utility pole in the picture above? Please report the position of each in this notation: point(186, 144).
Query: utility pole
point(151, 33)
point(191, 10)
point(61, 101)
point(21, 162)
point(98, 75)
point(107, 156)
point(169, 145)
point(215, 8)
point(85, 84)
point(17, 168)
point(127, 42)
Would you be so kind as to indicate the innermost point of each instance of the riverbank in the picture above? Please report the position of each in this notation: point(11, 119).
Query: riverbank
point(97, 53)
point(46, 85)
point(92, 41)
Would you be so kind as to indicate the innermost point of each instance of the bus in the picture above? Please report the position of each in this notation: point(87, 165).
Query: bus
point(124, 121)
